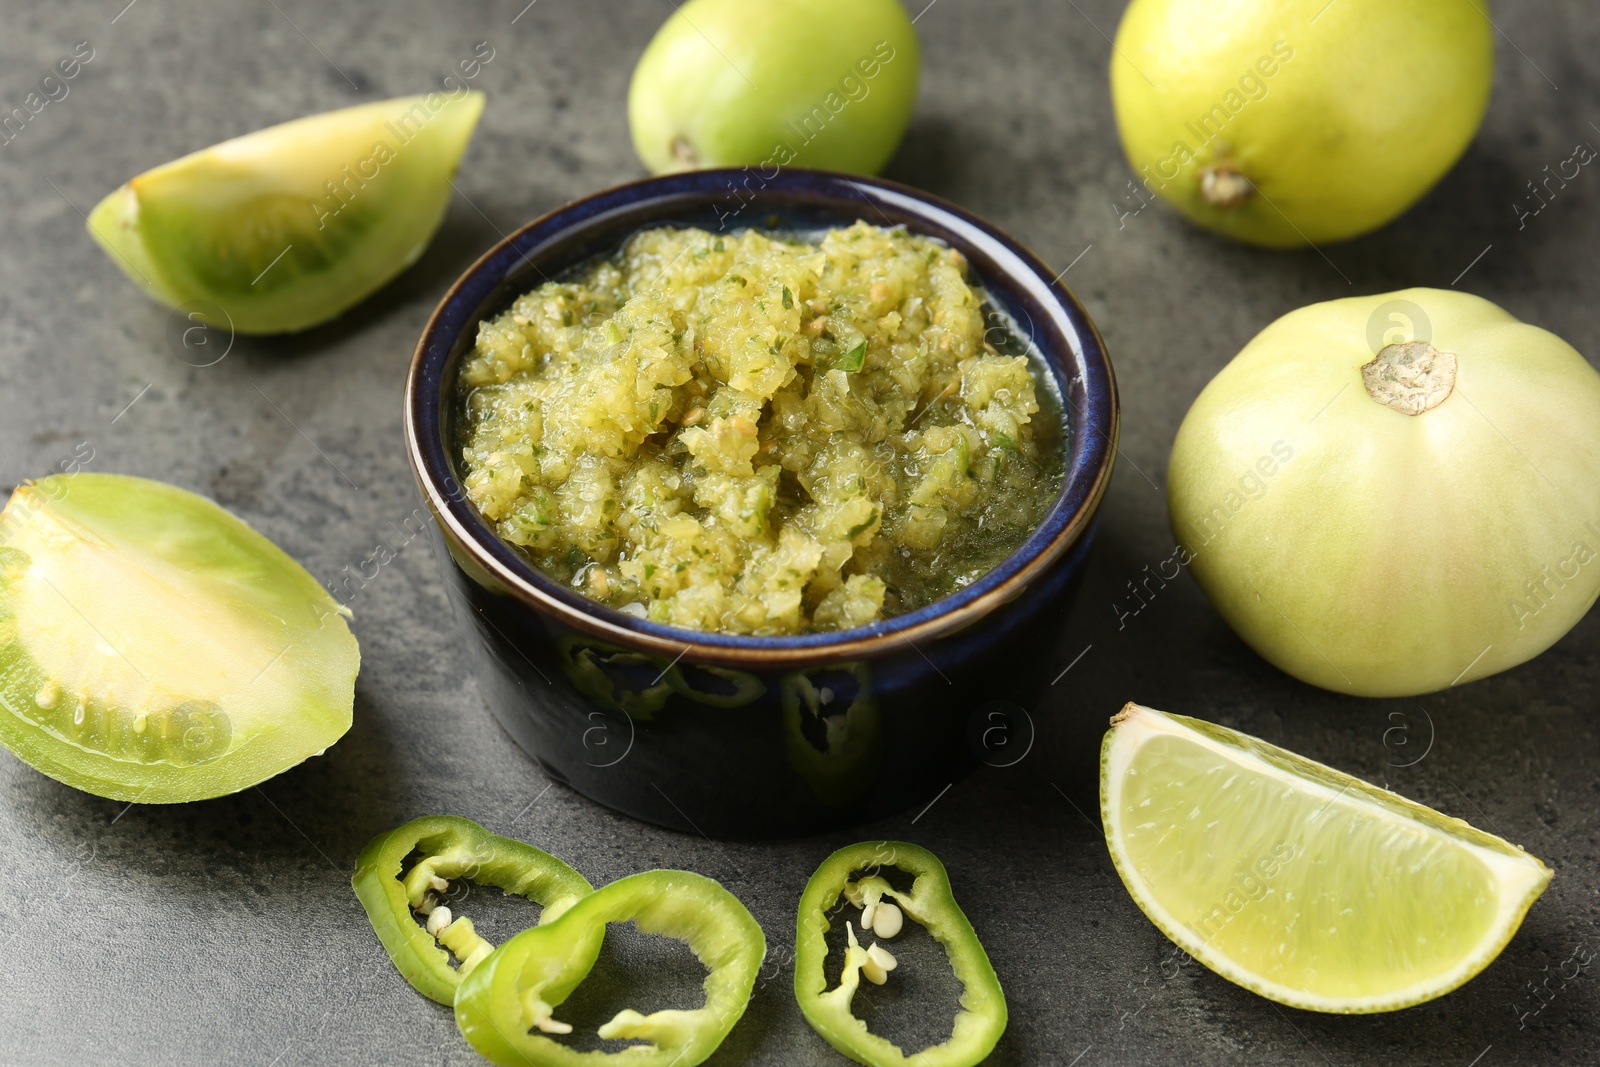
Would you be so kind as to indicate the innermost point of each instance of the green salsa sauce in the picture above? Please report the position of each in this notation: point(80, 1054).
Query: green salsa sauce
point(758, 433)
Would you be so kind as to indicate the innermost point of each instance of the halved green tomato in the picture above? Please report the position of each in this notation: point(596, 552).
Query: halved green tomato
point(155, 648)
point(285, 228)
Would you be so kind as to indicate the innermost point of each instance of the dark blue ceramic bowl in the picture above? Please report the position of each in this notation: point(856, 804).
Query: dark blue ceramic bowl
point(750, 736)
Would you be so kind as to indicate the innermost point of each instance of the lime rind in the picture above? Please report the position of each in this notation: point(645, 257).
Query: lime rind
point(1515, 878)
point(1295, 767)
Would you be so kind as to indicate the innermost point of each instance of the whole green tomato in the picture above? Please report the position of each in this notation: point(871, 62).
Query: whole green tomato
point(1293, 122)
point(1389, 495)
point(812, 83)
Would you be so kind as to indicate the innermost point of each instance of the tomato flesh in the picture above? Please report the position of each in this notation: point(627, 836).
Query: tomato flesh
point(155, 648)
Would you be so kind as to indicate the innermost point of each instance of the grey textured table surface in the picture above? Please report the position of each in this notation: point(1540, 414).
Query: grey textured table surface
point(225, 932)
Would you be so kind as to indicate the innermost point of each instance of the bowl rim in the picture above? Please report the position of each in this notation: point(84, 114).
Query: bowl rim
point(1089, 461)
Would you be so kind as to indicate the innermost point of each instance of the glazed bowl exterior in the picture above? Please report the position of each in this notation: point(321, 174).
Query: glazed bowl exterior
point(738, 736)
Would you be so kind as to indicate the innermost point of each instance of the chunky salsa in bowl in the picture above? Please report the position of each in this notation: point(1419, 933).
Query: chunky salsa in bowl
point(762, 496)
point(760, 432)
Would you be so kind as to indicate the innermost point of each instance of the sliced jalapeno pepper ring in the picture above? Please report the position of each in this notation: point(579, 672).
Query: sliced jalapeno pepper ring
point(517, 989)
point(930, 903)
point(451, 848)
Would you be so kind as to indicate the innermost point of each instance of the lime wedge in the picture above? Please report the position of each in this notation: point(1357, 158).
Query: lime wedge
point(1302, 884)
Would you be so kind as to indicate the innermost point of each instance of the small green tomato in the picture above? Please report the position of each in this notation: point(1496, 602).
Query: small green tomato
point(812, 83)
point(1389, 495)
point(1293, 122)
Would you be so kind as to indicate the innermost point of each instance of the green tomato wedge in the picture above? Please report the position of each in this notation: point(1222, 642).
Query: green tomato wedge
point(1297, 882)
point(283, 229)
point(810, 83)
point(154, 648)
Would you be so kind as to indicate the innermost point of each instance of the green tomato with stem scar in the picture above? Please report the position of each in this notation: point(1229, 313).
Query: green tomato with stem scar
point(809, 83)
point(1292, 122)
point(1390, 495)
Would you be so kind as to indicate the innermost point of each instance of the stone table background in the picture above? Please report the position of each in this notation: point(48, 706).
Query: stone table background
point(225, 932)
